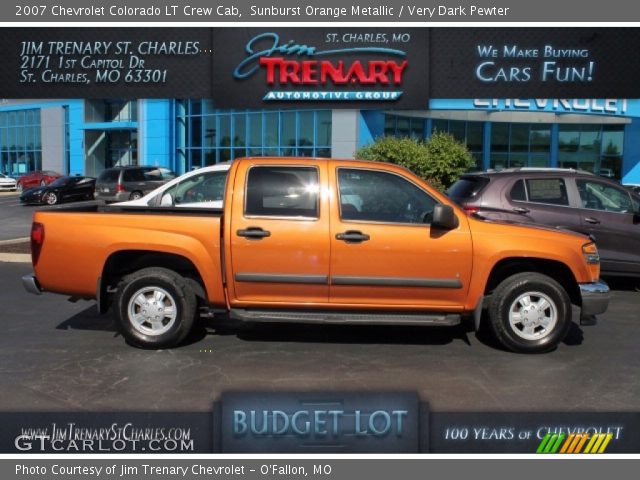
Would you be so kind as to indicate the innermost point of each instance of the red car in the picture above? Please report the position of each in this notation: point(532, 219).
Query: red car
point(37, 178)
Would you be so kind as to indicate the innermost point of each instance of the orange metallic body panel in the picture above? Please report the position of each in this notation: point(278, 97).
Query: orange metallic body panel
point(77, 246)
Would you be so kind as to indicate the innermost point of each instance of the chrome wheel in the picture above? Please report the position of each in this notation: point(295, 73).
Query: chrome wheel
point(533, 315)
point(152, 311)
point(51, 198)
point(19, 188)
point(135, 196)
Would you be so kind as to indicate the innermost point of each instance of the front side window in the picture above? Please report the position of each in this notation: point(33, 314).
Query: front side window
point(600, 196)
point(283, 191)
point(201, 188)
point(371, 195)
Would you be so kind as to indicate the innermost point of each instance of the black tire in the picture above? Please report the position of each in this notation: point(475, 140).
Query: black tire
point(135, 195)
point(149, 331)
point(532, 328)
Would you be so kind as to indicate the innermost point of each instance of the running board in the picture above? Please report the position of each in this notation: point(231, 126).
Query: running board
point(346, 317)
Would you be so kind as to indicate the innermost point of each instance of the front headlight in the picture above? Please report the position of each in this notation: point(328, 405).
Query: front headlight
point(590, 252)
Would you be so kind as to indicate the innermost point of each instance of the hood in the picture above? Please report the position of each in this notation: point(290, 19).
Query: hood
point(7, 180)
point(532, 226)
point(34, 191)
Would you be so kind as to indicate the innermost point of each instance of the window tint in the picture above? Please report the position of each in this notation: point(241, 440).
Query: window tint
point(133, 175)
point(109, 176)
point(167, 174)
point(376, 196)
point(467, 187)
point(600, 196)
point(153, 175)
point(205, 187)
point(282, 191)
point(517, 192)
point(547, 190)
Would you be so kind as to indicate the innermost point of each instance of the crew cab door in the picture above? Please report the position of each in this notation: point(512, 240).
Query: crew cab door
point(279, 235)
point(383, 249)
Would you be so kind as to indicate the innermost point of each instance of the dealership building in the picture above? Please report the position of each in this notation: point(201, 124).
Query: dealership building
point(82, 136)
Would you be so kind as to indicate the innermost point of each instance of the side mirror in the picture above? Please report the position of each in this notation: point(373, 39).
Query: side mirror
point(444, 217)
point(167, 200)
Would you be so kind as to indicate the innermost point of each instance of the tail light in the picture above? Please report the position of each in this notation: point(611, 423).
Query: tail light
point(470, 209)
point(37, 239)
point(119, 188)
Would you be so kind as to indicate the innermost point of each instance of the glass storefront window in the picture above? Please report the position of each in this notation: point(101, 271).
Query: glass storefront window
point(227, 134)
point(20, 145)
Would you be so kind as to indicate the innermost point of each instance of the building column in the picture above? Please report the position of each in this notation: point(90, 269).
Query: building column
point(344, 133)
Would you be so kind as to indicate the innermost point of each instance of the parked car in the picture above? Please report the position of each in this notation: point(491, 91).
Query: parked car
point(565, 198)
point(61, 190)
point(287, 246)
point(37, 178)
point(202, 188)
point(633, 187)
point(130, 183)
point(7, 183)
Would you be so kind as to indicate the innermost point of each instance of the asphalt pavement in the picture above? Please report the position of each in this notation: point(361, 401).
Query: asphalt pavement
point(61, 356)
point(15, 219)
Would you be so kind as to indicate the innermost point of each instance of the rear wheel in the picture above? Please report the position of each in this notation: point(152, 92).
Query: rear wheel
point(135, 195)
point(155, 308)
point(51, 198)
point(530, 312)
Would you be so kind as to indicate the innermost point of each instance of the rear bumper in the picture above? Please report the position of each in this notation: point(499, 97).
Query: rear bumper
point(31, 285)
point(595, 297)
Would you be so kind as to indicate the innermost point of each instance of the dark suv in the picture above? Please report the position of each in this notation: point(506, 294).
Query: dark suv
point(130, 183)
point(565, 198)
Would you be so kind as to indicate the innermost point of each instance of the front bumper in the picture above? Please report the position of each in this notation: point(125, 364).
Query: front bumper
point(31, 285)
point(595, 297)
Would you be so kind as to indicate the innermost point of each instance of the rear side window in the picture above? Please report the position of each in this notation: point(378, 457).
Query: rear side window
point(133, 175)
point(283, 192)
point(467, 187)
point(110, 176)
point(153, 175)
point(518, 192)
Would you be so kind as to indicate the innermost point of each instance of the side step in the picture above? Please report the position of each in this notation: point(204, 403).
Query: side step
point(346, 317)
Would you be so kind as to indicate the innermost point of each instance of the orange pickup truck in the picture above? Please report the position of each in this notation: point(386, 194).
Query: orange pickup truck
point(318, 241)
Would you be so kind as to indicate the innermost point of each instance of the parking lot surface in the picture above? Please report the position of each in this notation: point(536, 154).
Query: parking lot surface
point(59, 356)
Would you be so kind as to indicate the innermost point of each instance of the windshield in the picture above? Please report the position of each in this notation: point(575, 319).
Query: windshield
point(61, 182)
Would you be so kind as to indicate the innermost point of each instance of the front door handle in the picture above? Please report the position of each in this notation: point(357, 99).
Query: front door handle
point(352, 236)
point(521, 210)
point(592, 220)
point(256, 233)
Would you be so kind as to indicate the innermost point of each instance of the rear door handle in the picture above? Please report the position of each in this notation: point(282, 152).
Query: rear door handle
point(352, 236)
point(592, 220)
point(521, 210)
point(254, 233)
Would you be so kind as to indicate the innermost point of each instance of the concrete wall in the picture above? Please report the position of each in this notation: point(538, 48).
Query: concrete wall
point(53, 139)
point(344, 133)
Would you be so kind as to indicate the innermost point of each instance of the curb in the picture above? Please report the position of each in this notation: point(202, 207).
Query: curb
point(14, 240)
point(15, 257)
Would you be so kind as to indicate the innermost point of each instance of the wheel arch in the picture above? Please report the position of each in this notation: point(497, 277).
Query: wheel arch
point(124, 262)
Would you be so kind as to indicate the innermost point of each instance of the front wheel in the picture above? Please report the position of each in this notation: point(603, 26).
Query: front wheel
point(530, 313)
point(19, 188)
point(155, 308)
